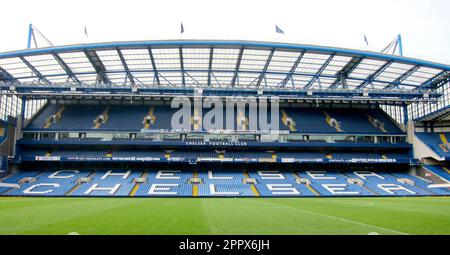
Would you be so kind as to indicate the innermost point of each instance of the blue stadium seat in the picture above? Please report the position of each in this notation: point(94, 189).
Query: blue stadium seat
point(435, 143)
point(222, 189)
point(130, 117)
point(176, 183)
point(439, 171)
point(221, 177)
point(39, 120)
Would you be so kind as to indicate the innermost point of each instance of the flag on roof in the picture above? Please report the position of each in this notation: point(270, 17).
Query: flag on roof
point(182, 28)
point(278, 30)
point(365, 39)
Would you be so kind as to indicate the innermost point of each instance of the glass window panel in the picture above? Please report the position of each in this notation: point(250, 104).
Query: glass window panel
point(137, 59)
point(46, 64)
point(196, 58)
point(167, 59)
point(111, 60)
point(254, 59)
point(194, 78)
point(225, 59)
point(283, 61)
point(16, 67)
point(77, 62)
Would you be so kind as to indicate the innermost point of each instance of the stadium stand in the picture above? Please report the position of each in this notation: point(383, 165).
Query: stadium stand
point(224, 155)
point(113, 136)
point(132, 116)
point(438, 142)
point(228, 183)
point(17, 177)
point(354, 121)
point(307, 120)
point(387, 185)
point(440, 171)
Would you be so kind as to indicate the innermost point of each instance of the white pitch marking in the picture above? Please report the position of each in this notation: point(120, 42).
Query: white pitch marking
point(341, 219)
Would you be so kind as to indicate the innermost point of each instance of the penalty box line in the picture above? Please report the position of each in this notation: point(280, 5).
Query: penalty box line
point(338, 218)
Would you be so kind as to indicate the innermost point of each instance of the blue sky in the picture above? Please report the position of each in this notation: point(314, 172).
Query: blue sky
point(424, 24)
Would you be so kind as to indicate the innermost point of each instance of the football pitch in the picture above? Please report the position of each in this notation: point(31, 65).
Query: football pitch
point(360, 216)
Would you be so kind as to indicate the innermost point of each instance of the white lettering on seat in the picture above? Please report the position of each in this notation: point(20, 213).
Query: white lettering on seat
point(282, 189)
point(211, 177)
point(365, 174)
point(320, 175)
point(110, 173)
point(271, 175)
point(167, 175)
point(212, 190)
point(339, 189)
point(390, 187)
point(162, 189)
point(95, 187)
point(30, 189)
point(56, 175)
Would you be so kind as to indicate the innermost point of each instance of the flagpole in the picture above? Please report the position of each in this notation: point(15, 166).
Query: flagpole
point(86, 39)
point(279, 32)
point(181, 30)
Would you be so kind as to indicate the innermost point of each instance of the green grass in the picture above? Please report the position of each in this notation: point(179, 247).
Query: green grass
point(225, 216)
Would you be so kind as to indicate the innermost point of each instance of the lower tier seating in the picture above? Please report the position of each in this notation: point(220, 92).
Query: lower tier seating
point(441, 171)
point(228, 183)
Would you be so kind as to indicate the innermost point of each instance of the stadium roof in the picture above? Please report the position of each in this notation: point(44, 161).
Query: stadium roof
point(442, 114)
point(218, 64)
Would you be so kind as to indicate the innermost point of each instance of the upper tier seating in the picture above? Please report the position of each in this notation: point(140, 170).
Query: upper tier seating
point(154, 182)
point(40, 119)
point(357, 121)
point(437, 142)
point(309, 120)
point(313, 120)
point(129, 117)
point(389, 126)
point(77, 117)
point(134, 118)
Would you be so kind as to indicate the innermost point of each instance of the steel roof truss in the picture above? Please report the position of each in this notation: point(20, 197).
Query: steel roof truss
point(6, 76)
point(263, 72)
point(98, 66)
point(319, 73)
point(211, 52)
point(402, 77)
point(236, 70)
point(345, 72)
point(35, 71)
point(372, 77)
point(152, 59)
point(291, 72)
point(437, 81)
point(66, 68)
point(183, 78)
point(125, 67)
